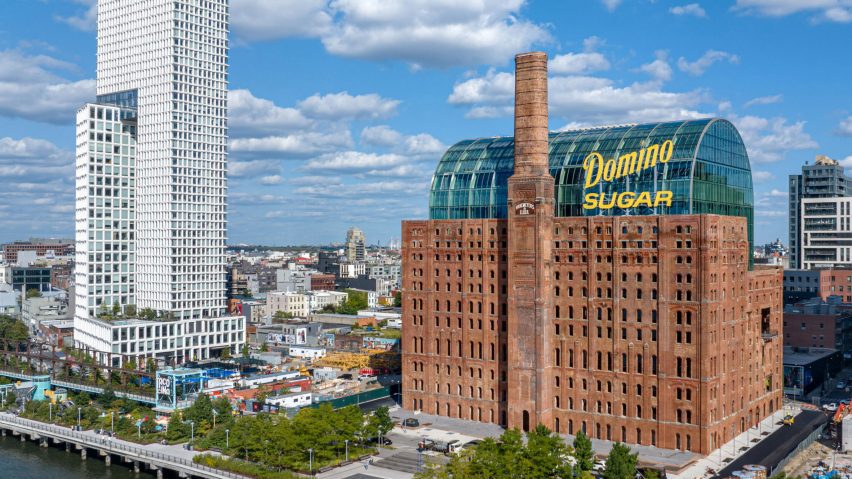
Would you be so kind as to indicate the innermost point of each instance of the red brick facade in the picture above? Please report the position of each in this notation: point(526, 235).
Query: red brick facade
point(657, 334)
point(641, 329)
point(322, 282)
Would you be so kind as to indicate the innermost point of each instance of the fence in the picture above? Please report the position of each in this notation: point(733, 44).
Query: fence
point(356, 399)
point(115, 447)
point(813, 436)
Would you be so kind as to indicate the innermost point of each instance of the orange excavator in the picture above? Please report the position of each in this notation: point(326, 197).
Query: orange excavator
point(842, 410)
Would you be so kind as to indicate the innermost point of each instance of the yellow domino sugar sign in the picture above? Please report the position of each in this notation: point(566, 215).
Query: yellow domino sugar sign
point(597, 170)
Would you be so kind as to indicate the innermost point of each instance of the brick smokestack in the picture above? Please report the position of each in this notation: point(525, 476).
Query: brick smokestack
point(530, 221)
point(531, 114)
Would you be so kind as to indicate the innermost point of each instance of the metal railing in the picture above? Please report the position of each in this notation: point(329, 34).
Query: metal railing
point(116, 447)
point(79, 386)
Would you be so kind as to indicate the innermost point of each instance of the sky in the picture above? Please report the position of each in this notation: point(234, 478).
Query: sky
point(340, 109)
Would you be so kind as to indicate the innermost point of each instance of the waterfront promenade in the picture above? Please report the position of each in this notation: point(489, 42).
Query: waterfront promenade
point(154, 457)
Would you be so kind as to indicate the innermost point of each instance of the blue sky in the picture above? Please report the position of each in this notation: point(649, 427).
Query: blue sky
point(340, 109)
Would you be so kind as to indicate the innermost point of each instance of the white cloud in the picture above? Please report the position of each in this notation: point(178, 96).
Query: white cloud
point(764, 100)
point(574, 63)
point(761, 176)
point(845, 127)
point(768, 140)
point(435, 33)
point(30, 159)
point(271, 180)
point(611, 5)
point(381, 135)
point(258, 20)
point(294, 144)
point(582, 100)
point(846, 162)
point(353, 161)
point(693, 9)
point(337, 106)
point(659, 69)
point(86, 20)
point(494, 87)
point(420, 145)
point(249, 115)
point(30, 89)
point(825, 10)
point(252, 168)
point(698, 67)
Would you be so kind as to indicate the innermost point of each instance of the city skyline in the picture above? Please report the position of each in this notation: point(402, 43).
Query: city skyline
point(358, 149)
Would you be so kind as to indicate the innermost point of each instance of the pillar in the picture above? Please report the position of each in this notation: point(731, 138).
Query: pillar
point(23, 438)
point(136, 467)
point(44, 442)
point(159, 474)
point(67, 447)
point(83, 453)
point(108, 460)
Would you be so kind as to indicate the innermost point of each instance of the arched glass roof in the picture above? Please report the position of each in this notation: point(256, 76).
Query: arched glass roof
point(708, 172)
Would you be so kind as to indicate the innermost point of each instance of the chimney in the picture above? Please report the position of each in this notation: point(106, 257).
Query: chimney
point(531, 132)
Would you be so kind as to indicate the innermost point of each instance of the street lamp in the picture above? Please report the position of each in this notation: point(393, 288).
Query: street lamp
point(111, 423)
point(50, 413)
point(79, 412)
point(311, 461)
point(191, 432)
point(227, 438)
point(347, 449)
point(214, 418)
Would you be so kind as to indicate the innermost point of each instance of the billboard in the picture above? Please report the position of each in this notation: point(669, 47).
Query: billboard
point(600, 171)
point(164, 386)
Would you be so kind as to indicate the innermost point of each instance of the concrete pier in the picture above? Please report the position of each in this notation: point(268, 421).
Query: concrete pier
point(83, 454)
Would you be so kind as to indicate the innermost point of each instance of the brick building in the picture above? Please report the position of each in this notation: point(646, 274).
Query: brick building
point(322, 282)
point(649, 329)
point(42, 248)
point(836, 282)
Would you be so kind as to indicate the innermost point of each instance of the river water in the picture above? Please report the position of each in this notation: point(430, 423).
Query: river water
point(26, 460)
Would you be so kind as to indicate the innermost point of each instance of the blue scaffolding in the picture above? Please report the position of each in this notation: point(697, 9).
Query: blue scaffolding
point(177, 388)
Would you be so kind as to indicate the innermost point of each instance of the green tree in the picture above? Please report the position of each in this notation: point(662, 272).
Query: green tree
point(583, 451)
point(245, 351)
point(177, 429)
point(226, 354)
point(130, 364)
point(397, 299)
point(12, 329)
point(355, 301)
point(33, 293)
point(379, 422)
point(264, 348)
point(151, 366)
point(282, 315)
point(130, 310)
point(620, 464)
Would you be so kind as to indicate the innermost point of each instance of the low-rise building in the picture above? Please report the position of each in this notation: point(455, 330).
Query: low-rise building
point(800, 284)
point(289, 302)
point(49, 307)
point(291, 400)
point(170, 341)
point(815, 323)
point(322, 282)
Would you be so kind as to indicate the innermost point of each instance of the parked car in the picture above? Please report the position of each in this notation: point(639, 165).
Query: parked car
point(830, 407)
point(411, 422)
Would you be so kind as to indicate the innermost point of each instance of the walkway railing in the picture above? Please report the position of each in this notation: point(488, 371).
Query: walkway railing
point(80, 386)
point(118, 448)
